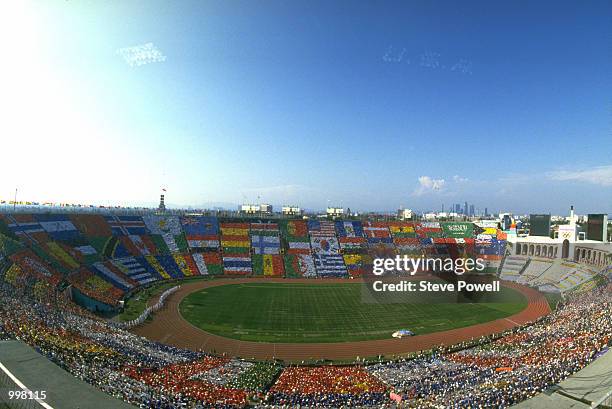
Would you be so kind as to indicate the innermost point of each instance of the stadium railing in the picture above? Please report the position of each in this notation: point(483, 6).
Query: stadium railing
point(145, 314)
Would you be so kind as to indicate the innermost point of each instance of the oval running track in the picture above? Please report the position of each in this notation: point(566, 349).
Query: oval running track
point(169, 327)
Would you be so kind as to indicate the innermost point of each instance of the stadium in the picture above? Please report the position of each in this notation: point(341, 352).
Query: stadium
point(305, 204)
point(267, 312)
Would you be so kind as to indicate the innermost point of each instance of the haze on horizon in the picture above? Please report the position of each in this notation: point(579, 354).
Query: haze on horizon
point(364, 105)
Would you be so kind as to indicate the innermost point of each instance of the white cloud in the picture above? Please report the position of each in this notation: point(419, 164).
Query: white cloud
point(141, 54)
point(459, 179)
point(600, 175)
point(428, 184)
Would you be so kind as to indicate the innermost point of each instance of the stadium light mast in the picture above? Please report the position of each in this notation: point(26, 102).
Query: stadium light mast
point(162, 201)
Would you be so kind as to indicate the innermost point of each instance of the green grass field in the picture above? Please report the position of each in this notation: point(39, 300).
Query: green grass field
point(292, 312)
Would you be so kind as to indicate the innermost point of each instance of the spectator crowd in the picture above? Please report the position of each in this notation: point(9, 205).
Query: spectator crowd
point(493, 372)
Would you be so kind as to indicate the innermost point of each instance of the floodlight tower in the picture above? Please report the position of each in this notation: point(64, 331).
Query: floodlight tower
point(162, 202)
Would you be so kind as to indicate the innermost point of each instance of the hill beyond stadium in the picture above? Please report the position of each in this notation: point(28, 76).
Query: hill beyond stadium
point(226, 296)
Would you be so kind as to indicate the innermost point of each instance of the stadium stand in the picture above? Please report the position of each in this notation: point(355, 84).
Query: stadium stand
point(402, 229)
point(41, 254)
point(299, 265)
point(358, 265)
point(323, 237)
point(429, 230)
point(377, 233)
point(126, 225)
point(269, 265)
point(351, 237)
point(236, 247)
point(329, 265)
point(201, 232)
point(294, 236)
point(513, 267)
point(26, 227)
point(131, 267)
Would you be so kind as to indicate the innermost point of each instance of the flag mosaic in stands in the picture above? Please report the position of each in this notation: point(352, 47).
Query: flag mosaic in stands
point(294, 236)
point(171, 242)
point(109, 247)
point(237, 264)
point(376, 229)
point(142, 247)
point(269, 265)
point(26, 227)
point(299, 265)
point(168, 264)
point(160, 244)
point(42, 254)
point(298, 247)
point(402, 229)
point(429, 229)
point(8, 246)
point(265, 238)
point(212, 260)
point(349, 229)
point(350, 236)
point(185, 264)
point(159, 224)
point(153, 264)
point(427, 246)
point(457, 230)
point(490, 246)
point(235, 238)
point(167, 227)
point(198, 259)
point(126, 225)
point(32, 265)
point(374, 241)
point(323, 237)
point(294, 230)
point(321, 228)
point(329, 265)
point(201, 232)
point(129, 245)
point(62, 253)
point(132, 267)
point(324, 245)
point(408, 245)
point(358, 265)
point(95, 287)
point(441, 246)
point(127, 251)
point(91, 225)
point(236, 248)
point(58, 226)
point(265, 244)
point(461, 247)
point(110, 273)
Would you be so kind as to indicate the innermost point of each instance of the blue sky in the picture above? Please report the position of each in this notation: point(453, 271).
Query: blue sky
point(367, 105)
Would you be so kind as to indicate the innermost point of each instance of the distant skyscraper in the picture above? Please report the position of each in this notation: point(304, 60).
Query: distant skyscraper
point(486, 212)
point(472, 213)
point(465, 209)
